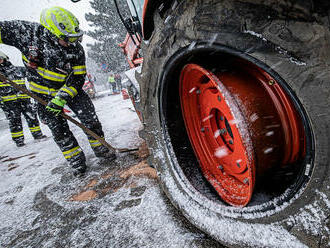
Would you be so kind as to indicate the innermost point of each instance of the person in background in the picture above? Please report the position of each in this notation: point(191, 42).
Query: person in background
point(55, 60)
point(112, 84)
point(118, 82)
point(92, 80)
point(89, 86)
point(15, 103)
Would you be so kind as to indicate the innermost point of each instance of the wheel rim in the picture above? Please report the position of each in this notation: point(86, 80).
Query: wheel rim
point(236, 140)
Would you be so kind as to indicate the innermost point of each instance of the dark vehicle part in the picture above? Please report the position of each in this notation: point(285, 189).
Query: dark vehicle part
point(131, 45)
point(251, 77)
point(128, 23)
point(131, 50)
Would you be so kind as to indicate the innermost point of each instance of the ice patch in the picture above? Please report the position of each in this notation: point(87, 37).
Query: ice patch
point(254, 117)
point(221, 152)
point(272, 126)
point(207, 118)
point(217, 133)
point(168, 19)
point(255, 34)
point(270, 133)
point(213, 39)
point(192, 90)
point(192, 45)
point(233, 122)
point(268, 150)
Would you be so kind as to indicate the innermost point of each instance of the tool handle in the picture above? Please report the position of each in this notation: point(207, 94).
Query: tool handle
point(69, 118)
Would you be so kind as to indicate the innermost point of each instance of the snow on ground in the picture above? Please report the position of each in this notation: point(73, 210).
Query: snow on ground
point(114, 205)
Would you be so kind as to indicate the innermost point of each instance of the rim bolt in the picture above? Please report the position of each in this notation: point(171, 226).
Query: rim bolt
point(219, 98)
point(246, 181)
point(231, 142)
point(202, 129)
point(221, 118)
point(220, 167)
point(271, 82)
point(238, 165)
point(198, 91)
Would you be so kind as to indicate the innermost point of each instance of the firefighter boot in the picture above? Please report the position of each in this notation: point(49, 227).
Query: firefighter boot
point(105, 153)
point(78, 163)
point(42, 136)
point(20, 143)
point(79, 168)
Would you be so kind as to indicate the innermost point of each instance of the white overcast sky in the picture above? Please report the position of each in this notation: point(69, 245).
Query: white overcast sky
point(30, 10)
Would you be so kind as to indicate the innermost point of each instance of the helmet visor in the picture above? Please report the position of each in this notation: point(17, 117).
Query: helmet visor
point(71, 38)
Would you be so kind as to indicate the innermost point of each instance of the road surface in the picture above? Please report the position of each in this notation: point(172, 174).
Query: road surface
point(117, 204)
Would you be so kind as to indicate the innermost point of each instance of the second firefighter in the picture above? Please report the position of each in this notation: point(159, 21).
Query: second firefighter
point(15, 103)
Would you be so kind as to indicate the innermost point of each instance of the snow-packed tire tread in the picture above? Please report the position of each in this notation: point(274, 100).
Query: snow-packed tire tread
point(295, 44)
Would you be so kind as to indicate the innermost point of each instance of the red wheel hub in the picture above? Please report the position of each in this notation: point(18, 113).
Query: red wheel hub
point(240, 124)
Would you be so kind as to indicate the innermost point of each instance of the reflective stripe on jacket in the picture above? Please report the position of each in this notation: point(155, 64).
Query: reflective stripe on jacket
point(111, 79)
point(9, 98)
point(34, 87)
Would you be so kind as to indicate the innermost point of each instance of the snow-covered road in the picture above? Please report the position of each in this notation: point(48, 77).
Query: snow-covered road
point(114, 205)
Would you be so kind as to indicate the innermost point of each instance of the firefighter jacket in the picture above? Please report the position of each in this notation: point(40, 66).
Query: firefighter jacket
point(111, 79)
point(60, 70)
point(7, 92)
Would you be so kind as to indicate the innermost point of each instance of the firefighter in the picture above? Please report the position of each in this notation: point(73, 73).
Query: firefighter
point(55, 60)
point(15, 103)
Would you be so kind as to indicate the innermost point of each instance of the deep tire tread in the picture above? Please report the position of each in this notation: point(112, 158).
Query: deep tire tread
point(280, 44)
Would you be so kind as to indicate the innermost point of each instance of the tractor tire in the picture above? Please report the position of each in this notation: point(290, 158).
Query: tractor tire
point(289, 43)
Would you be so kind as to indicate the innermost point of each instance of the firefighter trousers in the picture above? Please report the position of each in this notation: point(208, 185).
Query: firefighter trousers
point(113, 87)
point(82, 106)
point(13, 111)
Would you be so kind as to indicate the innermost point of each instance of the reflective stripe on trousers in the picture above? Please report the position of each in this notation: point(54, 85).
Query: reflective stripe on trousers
point(94, 143)
point(35, 129)
point(17, 134)
point(72, 152)
point(21, 82)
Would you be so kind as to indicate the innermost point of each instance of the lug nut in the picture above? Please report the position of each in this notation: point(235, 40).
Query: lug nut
point(271, 82)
